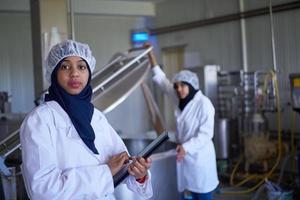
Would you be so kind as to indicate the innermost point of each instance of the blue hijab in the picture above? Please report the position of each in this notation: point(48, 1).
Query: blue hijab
point(78, 107)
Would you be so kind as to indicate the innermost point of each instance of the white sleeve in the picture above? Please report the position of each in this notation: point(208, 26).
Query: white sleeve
point(144, 189)
point(205, 130)
point(159, 77)
point(44, 180)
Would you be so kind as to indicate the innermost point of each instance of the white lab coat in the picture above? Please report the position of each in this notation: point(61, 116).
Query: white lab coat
point(197, 172)
point(57, 165)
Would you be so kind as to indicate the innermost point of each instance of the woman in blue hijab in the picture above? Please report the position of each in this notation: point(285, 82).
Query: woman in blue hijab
point(69, 150)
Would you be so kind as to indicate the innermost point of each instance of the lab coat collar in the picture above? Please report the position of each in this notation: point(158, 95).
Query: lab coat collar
point(64, 120)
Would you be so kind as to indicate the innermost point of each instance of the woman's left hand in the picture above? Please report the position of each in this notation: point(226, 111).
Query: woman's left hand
point(180, 152)
point(139, 167)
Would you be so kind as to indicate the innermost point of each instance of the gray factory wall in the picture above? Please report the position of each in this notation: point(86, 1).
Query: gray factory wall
point(221, 43)
point(106, 36)
point(177, 11)
point(208, 46)
point(16, 76)
point(255, 4)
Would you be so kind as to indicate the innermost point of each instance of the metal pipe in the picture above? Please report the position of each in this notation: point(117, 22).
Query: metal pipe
point(243, 37)
point(272, 37)
point(12, 150)
point(2, 142)
point(72, 19)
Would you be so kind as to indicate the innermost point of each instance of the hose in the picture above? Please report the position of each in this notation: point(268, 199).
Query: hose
point(250, 177)
point(235, 169)
point(293, 150)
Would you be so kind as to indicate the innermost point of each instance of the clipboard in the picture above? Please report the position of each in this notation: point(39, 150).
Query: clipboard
point(145, 153)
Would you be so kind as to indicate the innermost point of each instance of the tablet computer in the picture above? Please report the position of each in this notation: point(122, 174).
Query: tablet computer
point(145, 153)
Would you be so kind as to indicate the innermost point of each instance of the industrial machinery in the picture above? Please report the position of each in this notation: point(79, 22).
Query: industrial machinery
point(295, 99)
point(243, 98)
point(295, 91)
point(4, 102)
point(9, 122)
point(111, 85)
point(241, 133)
point(247, 97)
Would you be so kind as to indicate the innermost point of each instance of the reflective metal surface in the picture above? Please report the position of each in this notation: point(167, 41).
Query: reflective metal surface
point(163, 173)
point(115, 82)
point(9, 139)
point(221, 139)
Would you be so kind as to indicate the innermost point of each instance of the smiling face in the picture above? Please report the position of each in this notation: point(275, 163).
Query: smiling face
point(182, 90)
point(73, 74)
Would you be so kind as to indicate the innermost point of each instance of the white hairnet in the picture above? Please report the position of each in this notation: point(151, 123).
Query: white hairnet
point(187, 76)
point(65, 49)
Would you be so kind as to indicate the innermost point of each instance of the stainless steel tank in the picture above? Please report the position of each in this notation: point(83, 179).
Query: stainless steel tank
point(222, 138)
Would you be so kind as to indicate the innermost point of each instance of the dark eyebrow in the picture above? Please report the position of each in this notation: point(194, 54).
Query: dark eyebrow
point(66, 59)
point(81, 61)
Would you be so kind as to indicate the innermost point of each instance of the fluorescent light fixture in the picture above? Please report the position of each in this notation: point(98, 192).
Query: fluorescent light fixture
point(139, 36)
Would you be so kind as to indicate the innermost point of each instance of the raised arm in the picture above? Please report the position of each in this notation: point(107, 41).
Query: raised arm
point(159, 77)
